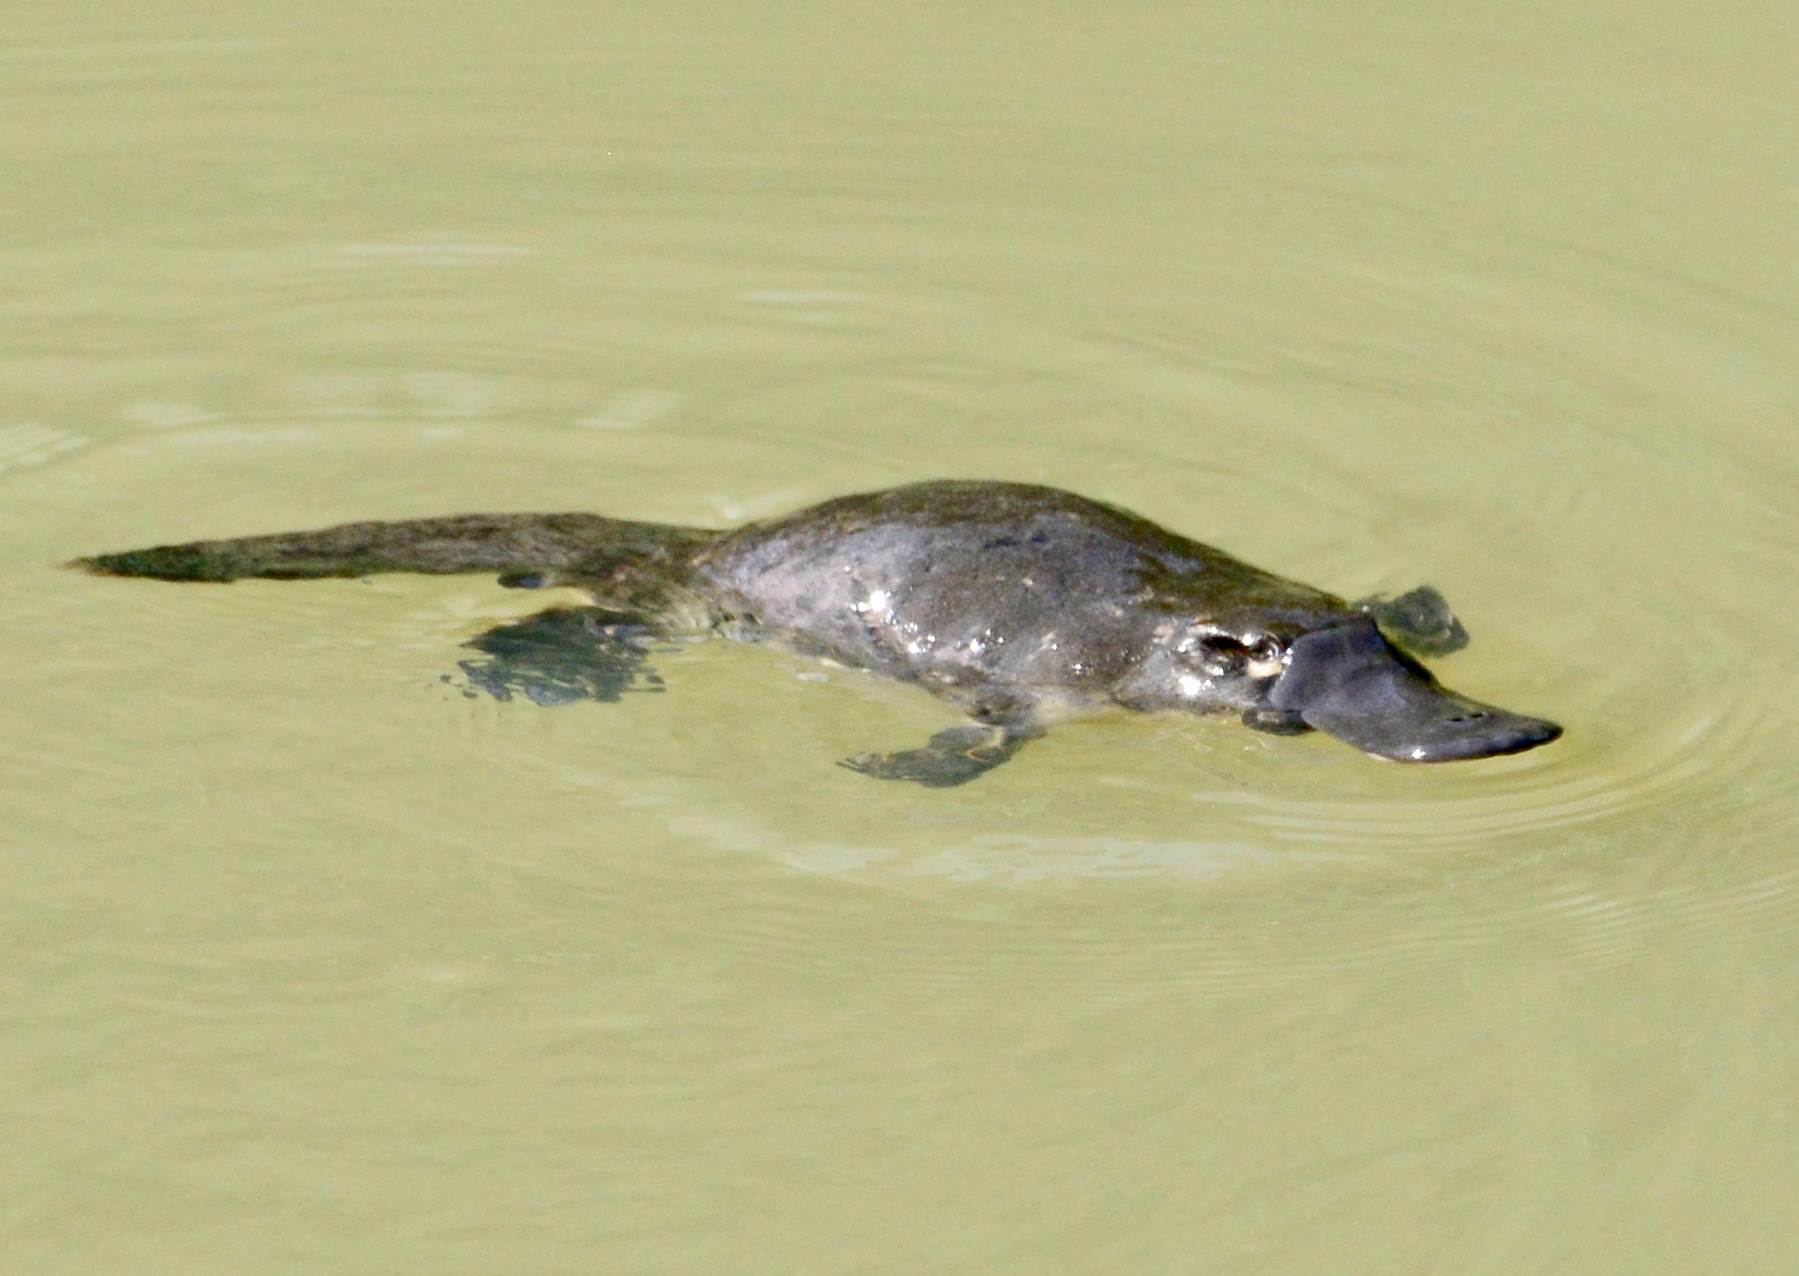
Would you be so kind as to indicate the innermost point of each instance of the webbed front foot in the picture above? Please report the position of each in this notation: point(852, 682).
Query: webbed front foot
point(1275, 721)
point(1419, 621)
point(560, 656)
point(953, 757)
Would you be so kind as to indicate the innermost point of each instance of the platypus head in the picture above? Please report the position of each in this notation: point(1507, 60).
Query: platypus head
point(1344, 679)
point(1350, 682)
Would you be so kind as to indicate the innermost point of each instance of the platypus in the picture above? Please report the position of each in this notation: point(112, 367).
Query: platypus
point(1021, 605)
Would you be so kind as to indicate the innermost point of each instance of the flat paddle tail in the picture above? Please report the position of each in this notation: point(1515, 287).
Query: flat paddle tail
point(532, 548)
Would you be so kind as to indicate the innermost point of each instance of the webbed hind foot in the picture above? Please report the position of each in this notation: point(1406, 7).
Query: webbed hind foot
point(953, 757)
point(567, 654)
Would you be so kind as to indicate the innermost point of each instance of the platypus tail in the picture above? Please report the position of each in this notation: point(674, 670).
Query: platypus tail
point(525, 549)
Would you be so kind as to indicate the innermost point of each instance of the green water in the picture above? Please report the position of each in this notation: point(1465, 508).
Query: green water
point(309, 963)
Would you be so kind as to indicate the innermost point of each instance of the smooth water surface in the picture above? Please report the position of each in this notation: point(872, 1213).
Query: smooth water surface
point(312, 963)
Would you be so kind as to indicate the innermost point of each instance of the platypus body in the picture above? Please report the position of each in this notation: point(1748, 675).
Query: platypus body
point(1020, 604)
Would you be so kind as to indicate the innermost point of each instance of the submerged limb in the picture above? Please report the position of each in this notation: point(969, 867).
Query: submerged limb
point(1276, 721)
point(564, 655)
point(1419, 621)
point(952, 757)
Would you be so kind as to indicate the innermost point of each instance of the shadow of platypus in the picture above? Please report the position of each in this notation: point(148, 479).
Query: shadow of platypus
point(1021, 605)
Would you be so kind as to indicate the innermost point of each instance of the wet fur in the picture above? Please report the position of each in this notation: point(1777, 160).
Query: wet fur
point(1015, 602)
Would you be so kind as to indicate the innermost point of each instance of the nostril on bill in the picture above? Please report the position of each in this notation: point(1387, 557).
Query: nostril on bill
point(1508, 735)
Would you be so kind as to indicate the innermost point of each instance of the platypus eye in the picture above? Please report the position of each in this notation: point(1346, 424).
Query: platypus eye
point(1245, 655)
point(1267, 657)
point(1254, 655)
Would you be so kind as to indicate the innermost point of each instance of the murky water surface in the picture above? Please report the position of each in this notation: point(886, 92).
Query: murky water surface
point(311, 963)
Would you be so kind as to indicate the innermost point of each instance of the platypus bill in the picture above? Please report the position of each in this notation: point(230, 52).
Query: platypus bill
point(1019, 604)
